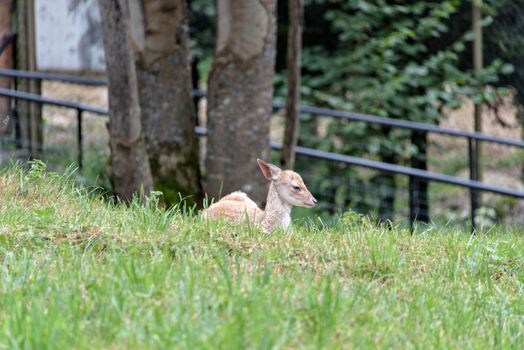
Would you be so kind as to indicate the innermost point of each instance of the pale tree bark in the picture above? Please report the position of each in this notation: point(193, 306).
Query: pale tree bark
point(294, 54)
point(130, 171)
point(240, 91)
point(161, 41)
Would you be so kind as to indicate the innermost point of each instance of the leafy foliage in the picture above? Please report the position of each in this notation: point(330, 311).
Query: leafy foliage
point(504, 40)
point(202, 22)
point(393, 59)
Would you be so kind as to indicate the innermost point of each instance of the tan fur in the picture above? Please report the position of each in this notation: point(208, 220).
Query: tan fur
point(236, 207)
point(287, 189)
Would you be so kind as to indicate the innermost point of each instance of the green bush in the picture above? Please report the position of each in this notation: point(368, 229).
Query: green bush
point(392, 59)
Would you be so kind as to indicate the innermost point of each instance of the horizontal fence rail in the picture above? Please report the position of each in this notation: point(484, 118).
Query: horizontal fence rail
point(15, 73)
point(53, 102)
point(394, 169)
point(310, 152)
point(472, 137)
point(315, 111)
point(404, 124)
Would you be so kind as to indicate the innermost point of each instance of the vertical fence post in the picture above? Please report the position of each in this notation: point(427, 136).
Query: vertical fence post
point(418, 188)
point(473, 176)
point(412, 199)
point(79, 138)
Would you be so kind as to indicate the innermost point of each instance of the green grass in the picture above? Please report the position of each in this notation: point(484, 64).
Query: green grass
point(61, 146)
point(79, 272)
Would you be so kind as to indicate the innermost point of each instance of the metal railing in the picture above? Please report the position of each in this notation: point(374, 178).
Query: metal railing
point(472, 137)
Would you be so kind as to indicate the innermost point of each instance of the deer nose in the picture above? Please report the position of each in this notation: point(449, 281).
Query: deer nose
point(313, 200)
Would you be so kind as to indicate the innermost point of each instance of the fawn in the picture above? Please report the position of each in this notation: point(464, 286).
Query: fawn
point(285, 191)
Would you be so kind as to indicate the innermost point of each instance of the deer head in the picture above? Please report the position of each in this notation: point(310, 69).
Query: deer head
point(289, 185)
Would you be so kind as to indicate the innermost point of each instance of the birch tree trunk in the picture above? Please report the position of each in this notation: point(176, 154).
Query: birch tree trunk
point(294, 55)
point(164, 83)
point(130, 171)
point(240, 91)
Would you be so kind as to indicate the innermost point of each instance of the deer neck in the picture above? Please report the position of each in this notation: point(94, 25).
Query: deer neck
point(277, 212)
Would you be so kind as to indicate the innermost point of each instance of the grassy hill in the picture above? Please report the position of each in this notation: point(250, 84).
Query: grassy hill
point(79, 272)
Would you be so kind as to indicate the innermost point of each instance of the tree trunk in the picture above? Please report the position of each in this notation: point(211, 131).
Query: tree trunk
point(35, 86)
point(29, 114)
point(130, 171)
point(168, 114)
point(6, 62)
point(240, 92)
point(22, 62)
point(294, 47)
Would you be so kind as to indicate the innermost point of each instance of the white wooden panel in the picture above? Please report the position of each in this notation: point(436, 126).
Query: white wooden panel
point(69, 36)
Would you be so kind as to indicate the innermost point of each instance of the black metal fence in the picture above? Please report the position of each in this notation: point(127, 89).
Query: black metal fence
point(473, 138)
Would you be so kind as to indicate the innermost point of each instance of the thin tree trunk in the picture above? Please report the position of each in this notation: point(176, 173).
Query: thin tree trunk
point(35, 86)
point(130, 169)
point(168, 114)
point(22, 62)
point(478, 63)
point(294, 48)
point(240, 91)
point(29, 114)
point(6, 62)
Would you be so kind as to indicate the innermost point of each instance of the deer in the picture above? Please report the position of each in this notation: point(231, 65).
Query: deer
point(286, 189)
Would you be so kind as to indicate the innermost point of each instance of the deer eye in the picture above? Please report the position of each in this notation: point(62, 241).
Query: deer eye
point(295, 188)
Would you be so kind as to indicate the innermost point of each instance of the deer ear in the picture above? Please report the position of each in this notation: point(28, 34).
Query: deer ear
point(270, 171)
